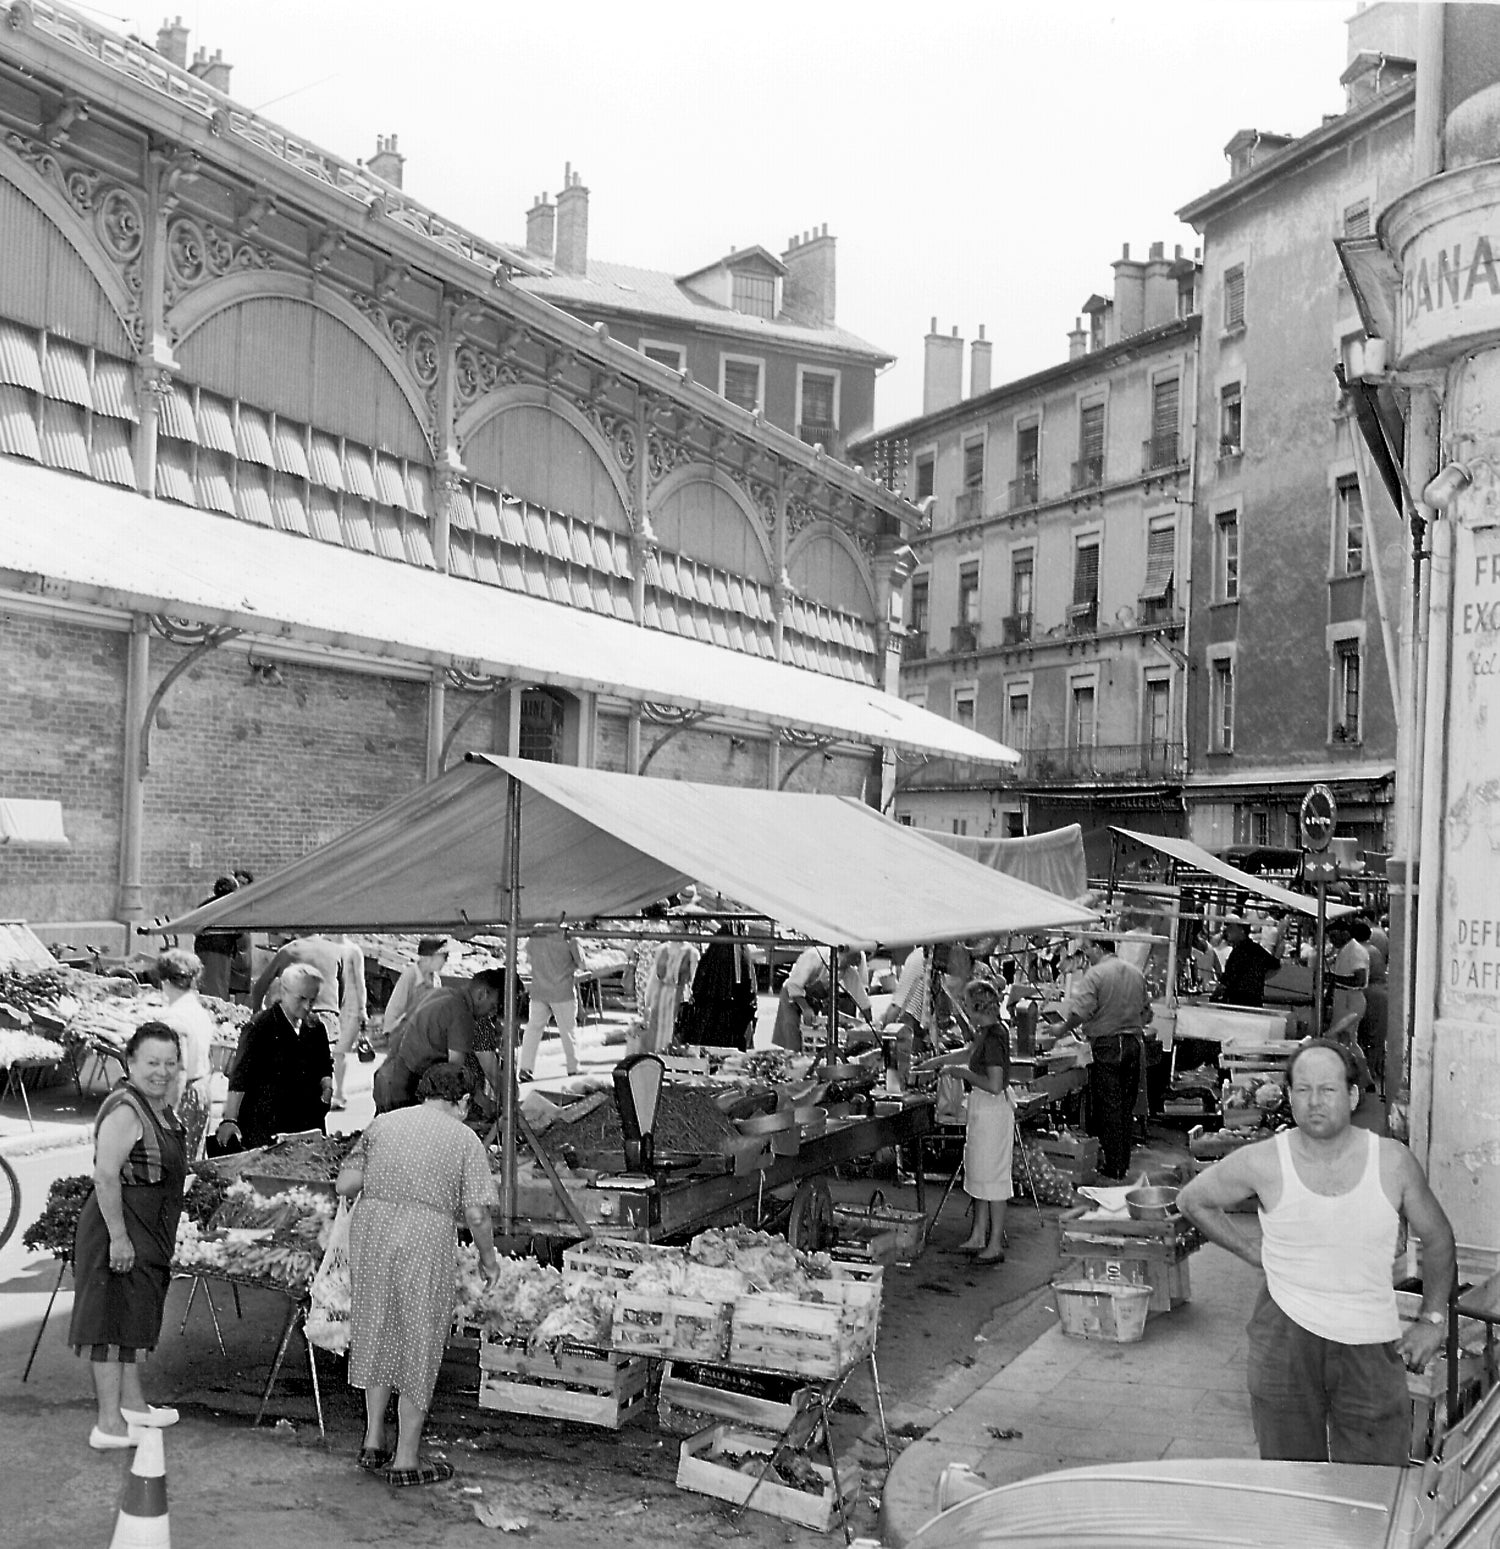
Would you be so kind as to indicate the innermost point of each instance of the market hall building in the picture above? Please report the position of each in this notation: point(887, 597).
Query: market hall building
point(302, 496)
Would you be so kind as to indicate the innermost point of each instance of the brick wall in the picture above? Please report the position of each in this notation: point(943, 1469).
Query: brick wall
point(246, 773)
point(62, 689)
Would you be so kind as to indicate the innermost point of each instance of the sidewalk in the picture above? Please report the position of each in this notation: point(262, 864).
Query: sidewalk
point(1072, 1402)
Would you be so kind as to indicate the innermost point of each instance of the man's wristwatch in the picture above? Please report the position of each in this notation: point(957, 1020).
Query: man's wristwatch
point(1436, 1319)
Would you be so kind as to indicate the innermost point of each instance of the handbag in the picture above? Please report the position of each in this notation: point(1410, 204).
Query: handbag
point(952, 1099)
point(327, 1322)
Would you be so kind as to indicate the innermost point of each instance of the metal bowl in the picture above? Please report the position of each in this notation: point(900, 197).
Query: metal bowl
point(1151, 1204)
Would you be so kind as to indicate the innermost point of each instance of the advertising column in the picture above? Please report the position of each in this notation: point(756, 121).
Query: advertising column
point(1445, 235)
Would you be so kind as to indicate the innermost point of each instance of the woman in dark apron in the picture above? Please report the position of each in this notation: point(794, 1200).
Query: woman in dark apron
point(122, 1254)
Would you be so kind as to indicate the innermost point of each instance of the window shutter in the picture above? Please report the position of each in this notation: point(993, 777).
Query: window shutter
point(1086, 576)
point(1164, 403)
point(1091, 432)
point(1161, 545)
point(817, 398)
point(1234, 296)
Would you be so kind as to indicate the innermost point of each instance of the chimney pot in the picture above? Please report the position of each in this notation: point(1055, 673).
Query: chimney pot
point(171, 42)
point(541, 227)
point(981, 355)
point(809, 293)
point(933, 329)
point(1158, 250)
point(1125, 251)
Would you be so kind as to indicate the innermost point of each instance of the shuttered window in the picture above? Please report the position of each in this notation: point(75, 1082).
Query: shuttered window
point(817, 398)
point(1091, 432)
point(1234, 297)
point(1086, 575)
point(1165, 401)
point(1161, 545)
point(1357, 219)
point(974, 464)
point(742, 383)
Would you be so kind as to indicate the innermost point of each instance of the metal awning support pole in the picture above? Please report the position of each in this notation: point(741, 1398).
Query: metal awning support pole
point(833, 1005)
point(133, 805)
point(508, 1049)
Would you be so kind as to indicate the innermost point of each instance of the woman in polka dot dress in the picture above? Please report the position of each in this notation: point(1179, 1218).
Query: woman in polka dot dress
point(413, 1171)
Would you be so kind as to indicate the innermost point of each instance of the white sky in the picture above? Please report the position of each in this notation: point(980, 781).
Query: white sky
point(980, 161)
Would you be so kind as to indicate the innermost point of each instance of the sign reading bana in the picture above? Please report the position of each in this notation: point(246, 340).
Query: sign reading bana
point(1445, 234)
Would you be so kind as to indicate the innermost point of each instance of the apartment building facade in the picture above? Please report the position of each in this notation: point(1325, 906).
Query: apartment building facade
point(302, 496)
point(755, 327)
point(1047, 603)
point(1298, 554)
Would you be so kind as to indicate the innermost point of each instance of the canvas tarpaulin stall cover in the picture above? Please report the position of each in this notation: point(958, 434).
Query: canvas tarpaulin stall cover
point(597, 843)
point(1186, 853)
point(1053, 860)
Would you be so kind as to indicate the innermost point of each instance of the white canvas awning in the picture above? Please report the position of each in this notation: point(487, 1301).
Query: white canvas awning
point(88, 542)
point(595, 843)
point(1189, 854)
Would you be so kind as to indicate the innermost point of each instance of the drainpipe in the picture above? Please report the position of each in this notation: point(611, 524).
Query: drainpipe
point(1425, 969)
point(1429, 667)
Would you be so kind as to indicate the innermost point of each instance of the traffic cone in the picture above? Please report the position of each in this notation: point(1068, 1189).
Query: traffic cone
point(142, 1522)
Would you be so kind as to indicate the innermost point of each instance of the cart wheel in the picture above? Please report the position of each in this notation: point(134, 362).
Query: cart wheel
point(810, 1225)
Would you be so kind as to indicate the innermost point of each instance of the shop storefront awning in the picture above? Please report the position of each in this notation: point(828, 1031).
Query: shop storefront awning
point(77, 540)
point(1186, 853)
point(595, 843)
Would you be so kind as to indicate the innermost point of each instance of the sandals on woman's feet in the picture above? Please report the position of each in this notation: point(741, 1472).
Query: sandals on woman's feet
point(428, 1473)
point(373, 1458)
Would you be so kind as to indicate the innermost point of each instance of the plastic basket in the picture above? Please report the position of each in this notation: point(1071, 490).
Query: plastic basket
point(1094, 1309)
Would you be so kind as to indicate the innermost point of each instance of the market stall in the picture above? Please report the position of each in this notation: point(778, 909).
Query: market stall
point(523, 842)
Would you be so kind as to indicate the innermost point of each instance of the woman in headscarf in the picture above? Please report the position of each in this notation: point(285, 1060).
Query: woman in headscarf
point(723, 995)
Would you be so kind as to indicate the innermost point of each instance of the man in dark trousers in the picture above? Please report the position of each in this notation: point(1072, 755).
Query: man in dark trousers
point(1327, 1349)
point(1112, 1006)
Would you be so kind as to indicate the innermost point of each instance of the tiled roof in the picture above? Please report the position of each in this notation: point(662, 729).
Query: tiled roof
point(653, 293)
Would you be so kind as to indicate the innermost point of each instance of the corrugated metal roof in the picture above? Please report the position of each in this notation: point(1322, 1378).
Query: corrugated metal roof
point(114, 393)
point(652, 293)
point(109, 452)
point(253, 437)
point(97, 541)
point(65, 370)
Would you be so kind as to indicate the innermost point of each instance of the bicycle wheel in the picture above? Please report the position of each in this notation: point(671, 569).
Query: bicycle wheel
point(10, 1201)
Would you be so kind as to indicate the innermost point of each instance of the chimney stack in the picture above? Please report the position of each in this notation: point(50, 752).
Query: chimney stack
point(171, 42)
point(1078, 340)
point(943, 370)
point(541, 227)
point(387, 161)
point(980, 353)
point(809, 293)
point(572, 255)
point(1130, 294)
point(212, 72)
point(1160, 287)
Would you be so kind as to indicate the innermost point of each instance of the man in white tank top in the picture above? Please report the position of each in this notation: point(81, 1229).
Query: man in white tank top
point(1327, 1360)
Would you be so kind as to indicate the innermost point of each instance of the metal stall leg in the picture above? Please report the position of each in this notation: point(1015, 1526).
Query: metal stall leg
point(885, 1435)
point(286, 1339)
point(62, 1269)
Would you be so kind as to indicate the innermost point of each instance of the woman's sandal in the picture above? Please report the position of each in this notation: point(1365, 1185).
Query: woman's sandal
point(428, 1473)
point(988, 1258)
point(373, 1458)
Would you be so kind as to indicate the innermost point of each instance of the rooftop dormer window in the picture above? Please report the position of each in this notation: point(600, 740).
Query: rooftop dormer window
point(754, 294)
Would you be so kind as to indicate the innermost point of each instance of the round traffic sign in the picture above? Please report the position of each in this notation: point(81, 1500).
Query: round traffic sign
point(1320, 812)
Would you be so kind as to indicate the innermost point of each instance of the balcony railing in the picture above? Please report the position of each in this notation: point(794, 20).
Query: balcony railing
point(1016, 628)
point(914, 647)
point(1025, 490)
point(1083, 618)
point(815, 434)
point(968, 505)
point(965, 637)
point(1160, 452)
point(1059, 765)
point(1103, 761)
point(1088, 472)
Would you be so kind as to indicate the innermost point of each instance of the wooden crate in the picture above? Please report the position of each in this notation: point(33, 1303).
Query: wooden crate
point(578, 1383)
point(693, 1395)
point(687, 1327)
point(1077, 1156)
point(700, 1468)
point(808, 1339)
point(613, 1259)
point(880, 1233)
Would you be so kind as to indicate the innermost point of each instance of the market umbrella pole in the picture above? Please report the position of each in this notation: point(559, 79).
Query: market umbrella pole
point(508, 1051)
